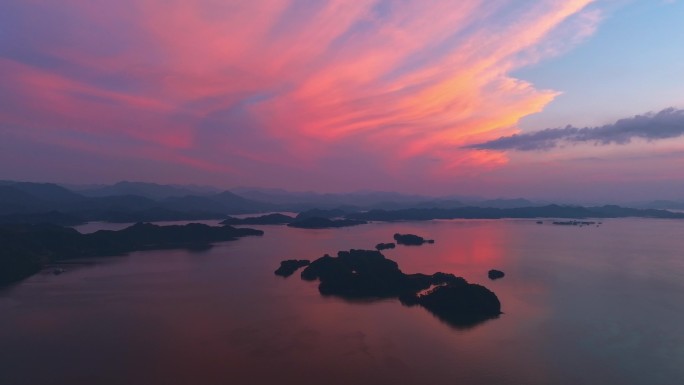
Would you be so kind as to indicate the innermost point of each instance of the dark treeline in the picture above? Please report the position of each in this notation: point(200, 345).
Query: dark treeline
point(549, 211)
point(27, 248)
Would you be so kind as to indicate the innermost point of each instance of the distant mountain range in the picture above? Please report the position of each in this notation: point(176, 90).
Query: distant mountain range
point(658, 204)
point(148, 190)
point(307, 200)
point(38, 202)
point(138, 201)
point(368, 200)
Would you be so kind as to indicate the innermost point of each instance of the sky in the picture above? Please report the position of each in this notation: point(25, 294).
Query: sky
point(574, 100)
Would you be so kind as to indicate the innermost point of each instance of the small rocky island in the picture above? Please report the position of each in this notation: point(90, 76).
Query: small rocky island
point(573, 223)
point(385, 246)
point(367, 274)
point(27, 248)
point(411, 239)
point(495, 274)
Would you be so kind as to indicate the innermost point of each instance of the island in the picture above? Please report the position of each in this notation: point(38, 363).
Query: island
point(324, 223)
point(27, 248)
point(411, 239)
point(573, 223)
point(385, 246)
point(269, 219)
point(368, 275)
point(495, 274)
point(287, 268)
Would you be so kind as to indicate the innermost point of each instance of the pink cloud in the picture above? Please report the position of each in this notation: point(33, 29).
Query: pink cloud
point(263, 84)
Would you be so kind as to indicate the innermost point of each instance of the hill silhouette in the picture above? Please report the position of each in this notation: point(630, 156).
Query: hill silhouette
point(28, 202)
point(149, 190)
point(26, 248)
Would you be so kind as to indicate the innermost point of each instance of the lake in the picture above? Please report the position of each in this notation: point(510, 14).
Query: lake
point(582, 305)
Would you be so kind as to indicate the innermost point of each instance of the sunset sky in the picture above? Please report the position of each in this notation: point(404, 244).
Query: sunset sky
point(572, 99)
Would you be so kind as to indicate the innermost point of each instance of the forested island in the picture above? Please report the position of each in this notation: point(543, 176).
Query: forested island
point(325, 223)
point(367, 274)
point(27, 248)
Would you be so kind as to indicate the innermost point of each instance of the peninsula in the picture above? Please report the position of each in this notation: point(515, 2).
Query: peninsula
point(27, 248)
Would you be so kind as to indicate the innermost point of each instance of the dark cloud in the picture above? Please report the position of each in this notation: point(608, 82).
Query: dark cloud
point(668, 123)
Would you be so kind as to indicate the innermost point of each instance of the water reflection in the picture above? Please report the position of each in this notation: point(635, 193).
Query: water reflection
point(582, 306)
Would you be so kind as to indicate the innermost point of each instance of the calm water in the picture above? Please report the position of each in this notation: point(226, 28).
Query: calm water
point(582, 306)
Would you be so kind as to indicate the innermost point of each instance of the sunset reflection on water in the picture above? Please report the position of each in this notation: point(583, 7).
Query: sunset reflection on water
point(577, 309)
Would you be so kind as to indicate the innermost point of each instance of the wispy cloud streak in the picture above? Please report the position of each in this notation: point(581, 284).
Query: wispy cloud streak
point(258, 85)
point(666, 124)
